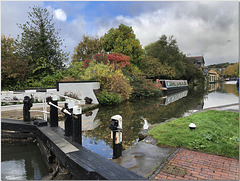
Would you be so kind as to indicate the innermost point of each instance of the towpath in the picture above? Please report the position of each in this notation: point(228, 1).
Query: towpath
point(193, 165)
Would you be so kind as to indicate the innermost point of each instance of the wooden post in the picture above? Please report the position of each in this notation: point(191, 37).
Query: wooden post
point(116, 135)
point(68, 122)
point(77, 125)
point(54, 113)
point(26, 107)
point(117, 146)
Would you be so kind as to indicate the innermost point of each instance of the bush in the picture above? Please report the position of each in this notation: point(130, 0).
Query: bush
point(109, 98)
point(96, 71)
point(143, 87)
point(119, 84)
point(111, 80)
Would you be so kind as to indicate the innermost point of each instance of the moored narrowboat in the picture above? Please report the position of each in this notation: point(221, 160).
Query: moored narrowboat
point(170, 85)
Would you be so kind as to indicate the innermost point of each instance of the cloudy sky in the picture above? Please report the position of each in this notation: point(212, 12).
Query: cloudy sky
point(200, 28)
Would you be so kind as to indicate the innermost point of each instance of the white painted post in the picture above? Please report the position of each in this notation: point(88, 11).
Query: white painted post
point(44, 107)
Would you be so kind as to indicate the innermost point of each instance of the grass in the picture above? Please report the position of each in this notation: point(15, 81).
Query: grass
point(217, 133)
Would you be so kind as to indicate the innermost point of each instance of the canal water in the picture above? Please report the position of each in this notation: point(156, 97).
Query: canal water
point(21, 162)
point(136, 114)
point(141, 113)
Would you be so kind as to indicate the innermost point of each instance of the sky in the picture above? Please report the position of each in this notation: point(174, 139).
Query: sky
point(208, 28)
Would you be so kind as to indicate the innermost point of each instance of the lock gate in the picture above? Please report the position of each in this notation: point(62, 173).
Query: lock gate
point(81, 162)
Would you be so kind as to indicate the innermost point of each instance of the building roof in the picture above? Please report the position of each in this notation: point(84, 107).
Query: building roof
point(212, 71)
point(198, 59)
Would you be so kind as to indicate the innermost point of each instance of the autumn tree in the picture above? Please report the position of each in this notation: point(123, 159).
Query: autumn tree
point(237, 71)
point(231, 71)
point(115, 60)
point(87, 48)
point(13, 69)
point(40, 44)
point(123, 40)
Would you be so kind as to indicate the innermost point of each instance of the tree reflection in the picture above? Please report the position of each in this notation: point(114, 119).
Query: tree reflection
point(150, 109)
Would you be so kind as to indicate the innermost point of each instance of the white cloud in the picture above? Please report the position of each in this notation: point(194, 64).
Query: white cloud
point(60, 15)
point(200, 28)
point(16, 12)
point(71, 33)
point(13, 13)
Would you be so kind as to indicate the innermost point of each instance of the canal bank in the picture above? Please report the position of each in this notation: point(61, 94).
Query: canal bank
point(153, 162)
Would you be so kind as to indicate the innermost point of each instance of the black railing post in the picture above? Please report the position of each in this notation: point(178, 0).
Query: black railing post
point(27, 104)
point(54, 113)
point(116, 135)
point(68, 120)
point(117, 146)
point(77, 125)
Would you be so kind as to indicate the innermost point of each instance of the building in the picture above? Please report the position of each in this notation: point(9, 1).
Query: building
point(198, 61)
point(205, 70)
point(213, 76)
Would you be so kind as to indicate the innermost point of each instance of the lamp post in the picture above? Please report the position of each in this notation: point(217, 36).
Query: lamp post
point(192, 126)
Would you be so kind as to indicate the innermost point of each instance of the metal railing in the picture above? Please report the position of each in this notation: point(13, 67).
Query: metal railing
point(71, 110)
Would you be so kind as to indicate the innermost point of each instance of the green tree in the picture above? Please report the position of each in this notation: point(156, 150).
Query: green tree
point(154, 69)
point(123, 40)
point(193, 74)
point(74, 71)
point(166, 51)
point(40, 45)
point(14, 70)
point(87, 48)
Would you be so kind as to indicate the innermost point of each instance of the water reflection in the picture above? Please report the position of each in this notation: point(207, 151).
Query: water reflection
point(230, 88)
point(213, 87)
point(89, 121)
point(173, 97)
point(145, 124)
point(223, 94)
point(14, 170)
point(21, 162)
point(139, 113)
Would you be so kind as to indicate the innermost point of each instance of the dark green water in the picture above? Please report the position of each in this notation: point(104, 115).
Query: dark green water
point(21, 162)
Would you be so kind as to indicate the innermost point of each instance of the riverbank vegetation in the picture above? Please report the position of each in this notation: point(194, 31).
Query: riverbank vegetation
point(117, 59)
point(226, 70)
point(217, 132)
